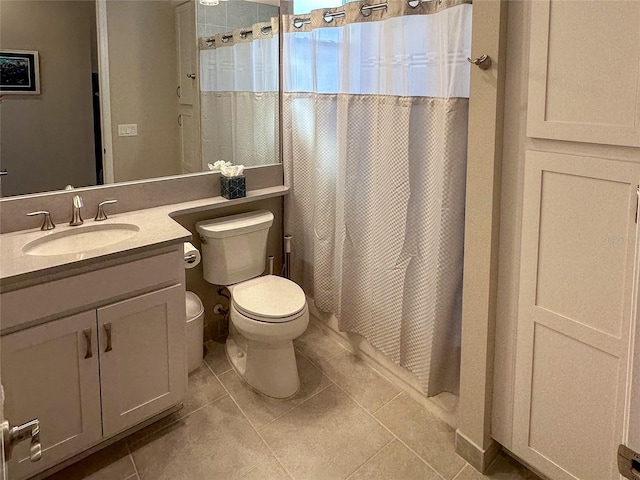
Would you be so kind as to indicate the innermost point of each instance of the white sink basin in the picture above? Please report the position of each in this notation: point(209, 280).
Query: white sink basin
point(80, 239)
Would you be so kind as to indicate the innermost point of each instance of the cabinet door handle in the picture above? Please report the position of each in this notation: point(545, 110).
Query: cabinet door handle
point(107, 329)
point(87, 338)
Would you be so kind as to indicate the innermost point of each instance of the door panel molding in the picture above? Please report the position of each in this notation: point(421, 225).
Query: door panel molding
point(584, 83)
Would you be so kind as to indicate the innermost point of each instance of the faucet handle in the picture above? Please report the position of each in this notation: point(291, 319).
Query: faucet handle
point(100, 215)
point(47, 224)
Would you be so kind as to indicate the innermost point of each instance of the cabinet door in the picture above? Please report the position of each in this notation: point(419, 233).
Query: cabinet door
point(186, 42)
point(188, 142)
point(50, 372)
point(142, 357)
point(575, 327)
point(585, 71)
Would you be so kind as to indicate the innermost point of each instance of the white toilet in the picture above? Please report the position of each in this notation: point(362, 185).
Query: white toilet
point(267, 312)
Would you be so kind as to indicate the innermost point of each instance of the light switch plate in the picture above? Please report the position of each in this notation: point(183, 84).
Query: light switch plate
point(128, 130)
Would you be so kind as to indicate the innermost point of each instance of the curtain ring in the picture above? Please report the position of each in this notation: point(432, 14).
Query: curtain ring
point(265, 29)
point(210, 42)
point(225, 38)
point(365, 10)
point(414, 3)
point(299, 22)
point(327, 17)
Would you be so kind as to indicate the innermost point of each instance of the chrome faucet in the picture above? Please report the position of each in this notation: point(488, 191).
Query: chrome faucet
point(76, 217)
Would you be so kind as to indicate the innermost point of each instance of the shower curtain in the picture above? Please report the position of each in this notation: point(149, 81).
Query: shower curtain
point(239, 99)
point(375, 135)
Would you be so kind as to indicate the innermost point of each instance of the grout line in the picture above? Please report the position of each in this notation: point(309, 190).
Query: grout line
point(460, 472)
point(172, 423)
point(372, 414)
point(283, 413)
point(296, 406)
point(135, 467)
point(393, 439)
point(393, 434)
point(387, 403)
point(259, 435)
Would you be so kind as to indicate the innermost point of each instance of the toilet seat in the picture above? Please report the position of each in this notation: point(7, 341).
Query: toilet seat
point(269, 299)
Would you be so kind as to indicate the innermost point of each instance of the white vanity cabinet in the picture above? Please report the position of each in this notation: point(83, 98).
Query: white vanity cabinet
point(92, 375)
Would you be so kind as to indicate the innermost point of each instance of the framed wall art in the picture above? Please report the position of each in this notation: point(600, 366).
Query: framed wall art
point(19, 72)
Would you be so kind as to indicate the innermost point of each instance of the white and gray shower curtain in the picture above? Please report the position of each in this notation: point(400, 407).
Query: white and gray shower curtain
point(239, 96)
point(375, 135)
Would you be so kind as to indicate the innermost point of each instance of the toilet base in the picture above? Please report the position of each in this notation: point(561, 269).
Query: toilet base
point(269, 368)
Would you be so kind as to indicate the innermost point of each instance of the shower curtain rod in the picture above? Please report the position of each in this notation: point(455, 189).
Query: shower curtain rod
point(210, 41)
point(365, 10)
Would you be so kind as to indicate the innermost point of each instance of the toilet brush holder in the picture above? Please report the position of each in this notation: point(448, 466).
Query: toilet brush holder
point(233, 187)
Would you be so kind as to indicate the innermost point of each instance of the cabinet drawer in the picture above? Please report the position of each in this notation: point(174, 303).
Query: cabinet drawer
point(88, 290)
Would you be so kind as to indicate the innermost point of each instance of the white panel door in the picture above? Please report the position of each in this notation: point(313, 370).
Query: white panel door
point(142, 357)
point(584, 71)
point(50, 372)
point(190, 163)
point(575, 325)
point(186, 43)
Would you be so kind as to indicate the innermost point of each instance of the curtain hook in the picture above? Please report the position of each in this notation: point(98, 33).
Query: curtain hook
point(299, 22)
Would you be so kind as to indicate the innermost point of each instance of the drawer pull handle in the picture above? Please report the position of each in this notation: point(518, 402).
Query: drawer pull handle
point(87, 337)
point(107, 329)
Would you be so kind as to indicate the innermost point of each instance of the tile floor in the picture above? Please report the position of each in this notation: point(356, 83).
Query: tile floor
point(346, 422)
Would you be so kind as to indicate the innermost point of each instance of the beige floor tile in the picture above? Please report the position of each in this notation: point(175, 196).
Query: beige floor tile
point(203, 388)
point(216, 356)
point(503, 468)
point(214, 442)
point(361, 382)
point(317, 345)
point(327, 437)
point(426, 434)
point(269, 470)
point(395, 462)
point(260, 409)
point(110, 463)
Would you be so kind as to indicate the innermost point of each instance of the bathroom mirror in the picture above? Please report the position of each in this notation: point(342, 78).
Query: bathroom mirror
point(121, 95)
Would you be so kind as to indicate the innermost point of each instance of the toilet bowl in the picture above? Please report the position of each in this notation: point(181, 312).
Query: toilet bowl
point(266, 312)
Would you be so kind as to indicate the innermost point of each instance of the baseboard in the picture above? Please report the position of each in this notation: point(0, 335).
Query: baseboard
point(478, 458)
point(444, 406)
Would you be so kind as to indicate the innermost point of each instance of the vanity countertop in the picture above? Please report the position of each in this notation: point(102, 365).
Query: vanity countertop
point(156, 229)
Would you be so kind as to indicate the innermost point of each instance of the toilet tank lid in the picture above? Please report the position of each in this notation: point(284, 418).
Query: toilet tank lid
point(233, 225)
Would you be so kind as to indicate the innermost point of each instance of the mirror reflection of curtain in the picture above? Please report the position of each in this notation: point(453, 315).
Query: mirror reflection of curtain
point(239, 96)
point(375, 136)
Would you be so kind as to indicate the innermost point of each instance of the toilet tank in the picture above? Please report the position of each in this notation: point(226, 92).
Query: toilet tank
point(234, 248)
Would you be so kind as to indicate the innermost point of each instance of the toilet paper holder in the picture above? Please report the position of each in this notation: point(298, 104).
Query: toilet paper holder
point(191, 258)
